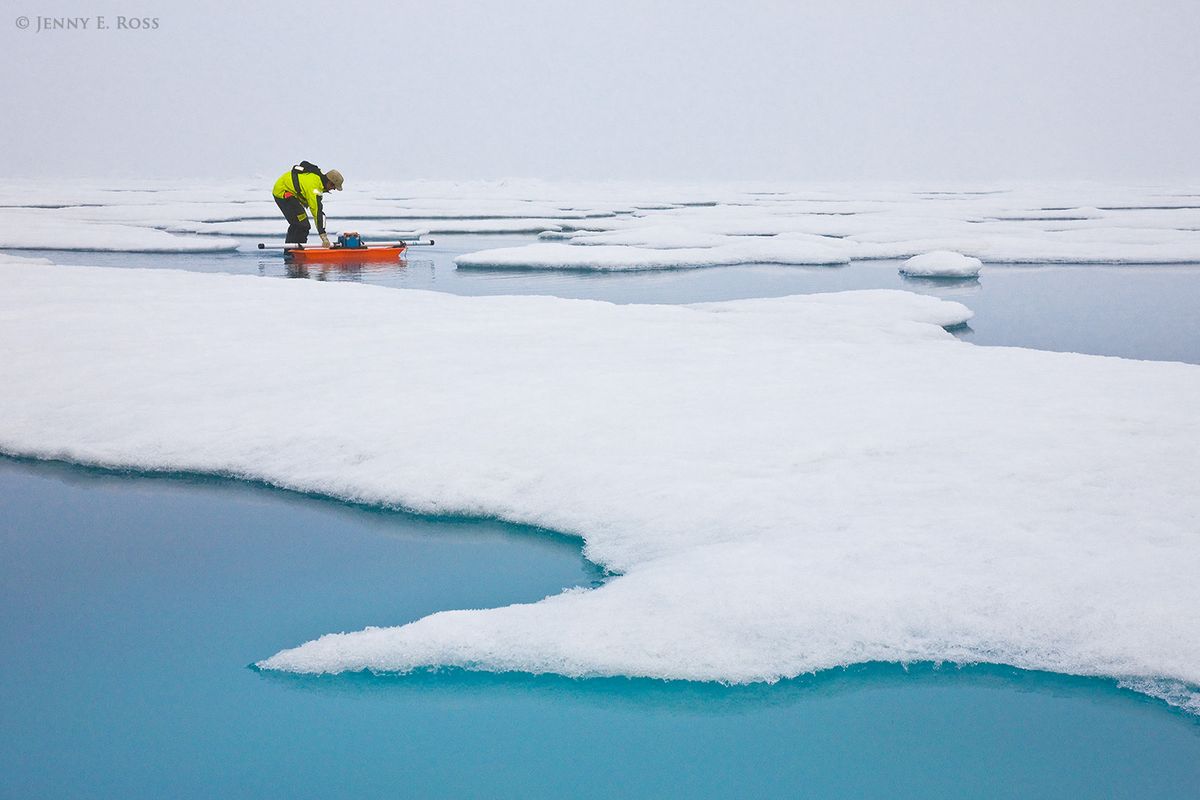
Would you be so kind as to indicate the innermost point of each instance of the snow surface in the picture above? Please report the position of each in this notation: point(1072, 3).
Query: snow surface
point(30, 229)
point(782, 249)
point(377, 228)
point(654, 236)
point(942, 264)
point(782, 485)
point(8, 258)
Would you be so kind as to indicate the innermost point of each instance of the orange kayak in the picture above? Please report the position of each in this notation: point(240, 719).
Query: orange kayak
point(339, 255)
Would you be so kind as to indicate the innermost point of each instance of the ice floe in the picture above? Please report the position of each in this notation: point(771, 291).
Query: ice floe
point(780, 485)
point(942, 264)
point(8, 258)
point(665, 237)
point(1019, 224)
point(377, 228)
point(46, 230)
point(782, 249)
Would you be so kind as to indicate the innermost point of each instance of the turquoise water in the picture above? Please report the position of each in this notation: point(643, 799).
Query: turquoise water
point(133, 606)
point(1145, 312)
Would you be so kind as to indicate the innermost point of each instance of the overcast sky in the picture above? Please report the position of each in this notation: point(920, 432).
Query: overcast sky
point(665, 90)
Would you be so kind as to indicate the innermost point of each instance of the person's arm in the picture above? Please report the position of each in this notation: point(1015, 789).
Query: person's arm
point(320, 218)
point(318, 213)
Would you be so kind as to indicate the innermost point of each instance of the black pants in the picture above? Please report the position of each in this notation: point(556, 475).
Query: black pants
point(293, 211)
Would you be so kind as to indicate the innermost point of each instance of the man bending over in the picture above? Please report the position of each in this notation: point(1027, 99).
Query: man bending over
point(298, 193)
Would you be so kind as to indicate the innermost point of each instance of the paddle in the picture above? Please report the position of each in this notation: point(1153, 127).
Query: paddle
point(405, 242)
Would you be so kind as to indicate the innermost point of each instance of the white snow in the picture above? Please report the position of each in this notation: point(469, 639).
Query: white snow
point(484, 226)
point(47, 230)
point(709, 225)
point(375, 228)
point(782, 249)
point(8, 258)
point(942, 264)
point(783, 485)
point(665, 237)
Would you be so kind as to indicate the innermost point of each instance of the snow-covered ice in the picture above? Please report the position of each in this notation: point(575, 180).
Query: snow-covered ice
point(665, 237)
point(782, 249)
point(378, 227)
point(780, 485)
point(8, 258)
point(44, 229)
point(942, 264)
point(709, 225)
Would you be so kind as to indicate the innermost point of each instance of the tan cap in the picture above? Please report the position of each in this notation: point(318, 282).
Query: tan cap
point(334, 177)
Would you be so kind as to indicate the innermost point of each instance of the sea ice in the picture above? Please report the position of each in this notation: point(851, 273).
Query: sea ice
point(1068, 223)
point(39, 230)
point(779, 486)
point(7, 258)
point(783, 249)
point(659, 237)
point(942, 264)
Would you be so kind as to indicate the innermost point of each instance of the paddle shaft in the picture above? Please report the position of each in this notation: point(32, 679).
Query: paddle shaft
point(373, 245)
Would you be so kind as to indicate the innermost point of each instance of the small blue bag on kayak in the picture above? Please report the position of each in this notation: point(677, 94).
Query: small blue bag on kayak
point(351, 239)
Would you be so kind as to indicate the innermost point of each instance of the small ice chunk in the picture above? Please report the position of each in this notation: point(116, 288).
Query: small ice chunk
point(942, 264)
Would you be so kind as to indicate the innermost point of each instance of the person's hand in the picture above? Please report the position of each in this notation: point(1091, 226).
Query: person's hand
point(324, 240)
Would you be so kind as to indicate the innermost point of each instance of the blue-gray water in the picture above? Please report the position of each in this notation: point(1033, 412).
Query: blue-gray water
point(1137, 311)
point(133, 606)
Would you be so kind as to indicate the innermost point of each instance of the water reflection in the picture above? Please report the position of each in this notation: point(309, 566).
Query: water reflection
point(945, 288)
point(344, 270)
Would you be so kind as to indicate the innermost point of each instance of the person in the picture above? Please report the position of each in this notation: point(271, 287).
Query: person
point(298, 193)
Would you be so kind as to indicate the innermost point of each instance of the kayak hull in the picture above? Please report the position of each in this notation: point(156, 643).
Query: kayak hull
point(344, 255)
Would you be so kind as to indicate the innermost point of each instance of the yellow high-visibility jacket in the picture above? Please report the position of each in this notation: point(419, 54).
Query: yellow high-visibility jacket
point(311, 188)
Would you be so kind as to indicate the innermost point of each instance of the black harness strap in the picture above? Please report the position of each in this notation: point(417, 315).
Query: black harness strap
point(304, 166)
